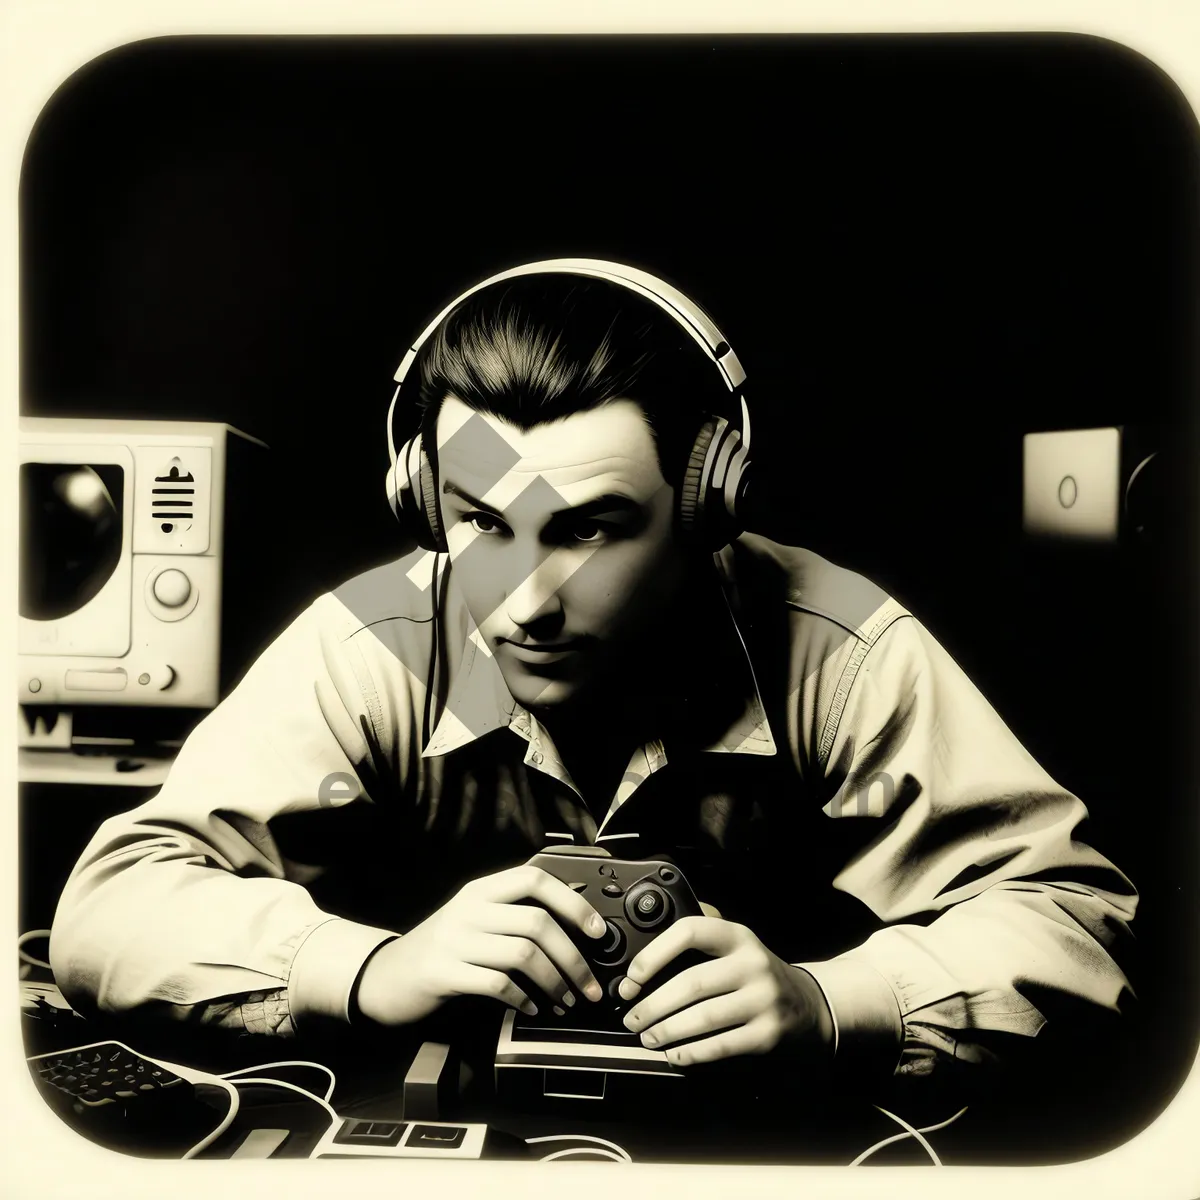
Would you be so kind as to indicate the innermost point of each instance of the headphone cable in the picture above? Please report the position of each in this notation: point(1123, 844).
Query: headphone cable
point(433, 653)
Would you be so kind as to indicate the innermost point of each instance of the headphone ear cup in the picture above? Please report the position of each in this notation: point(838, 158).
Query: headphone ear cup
point(692, 493)
point(712, 484)
point(413, 493)
point(429, 504)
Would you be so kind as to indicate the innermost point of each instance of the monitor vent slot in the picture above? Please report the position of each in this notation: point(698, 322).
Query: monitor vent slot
point(174, 498)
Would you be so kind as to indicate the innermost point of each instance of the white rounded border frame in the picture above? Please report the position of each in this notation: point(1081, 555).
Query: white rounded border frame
point(42, 42)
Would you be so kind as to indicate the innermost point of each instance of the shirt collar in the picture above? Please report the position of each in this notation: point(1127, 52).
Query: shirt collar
point(478, 701)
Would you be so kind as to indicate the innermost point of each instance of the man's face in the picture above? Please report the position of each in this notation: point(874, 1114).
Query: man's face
point(562, 539)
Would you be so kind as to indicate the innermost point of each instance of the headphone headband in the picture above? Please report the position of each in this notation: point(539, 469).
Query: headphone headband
point(672, 301)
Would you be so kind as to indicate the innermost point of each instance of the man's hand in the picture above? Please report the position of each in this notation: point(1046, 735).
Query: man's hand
point(746, 999)
point(476, 942)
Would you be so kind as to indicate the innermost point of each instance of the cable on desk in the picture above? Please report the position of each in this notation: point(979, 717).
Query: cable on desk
point(578, 1137)
point(291, 1087)
point(288, 1063)
point(909, 1132)
point(24, 955)
point(584, 1150)
point(235, 1102)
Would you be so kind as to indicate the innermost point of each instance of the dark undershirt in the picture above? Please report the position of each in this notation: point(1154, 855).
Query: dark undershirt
point(677, 700)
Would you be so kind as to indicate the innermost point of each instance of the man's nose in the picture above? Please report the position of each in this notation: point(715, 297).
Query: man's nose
point(535, 595)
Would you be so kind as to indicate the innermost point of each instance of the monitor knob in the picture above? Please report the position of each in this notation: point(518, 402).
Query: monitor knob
point(159, 677)
point(172, 588)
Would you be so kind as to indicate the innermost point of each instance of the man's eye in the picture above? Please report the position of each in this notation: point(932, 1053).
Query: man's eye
point(482, 523)
point(588, 531)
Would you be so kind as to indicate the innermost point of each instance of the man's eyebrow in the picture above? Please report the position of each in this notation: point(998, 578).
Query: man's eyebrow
point(609, 502)
point(454, 490)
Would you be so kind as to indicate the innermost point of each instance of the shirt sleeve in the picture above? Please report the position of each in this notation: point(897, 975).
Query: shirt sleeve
point(186, 905)
point(996, 914)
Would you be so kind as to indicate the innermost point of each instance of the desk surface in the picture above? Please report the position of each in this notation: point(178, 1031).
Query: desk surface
point(369, 1083)
point(741, 1124)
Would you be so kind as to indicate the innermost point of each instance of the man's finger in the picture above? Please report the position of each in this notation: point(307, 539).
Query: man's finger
point(539, 926)
point(733, 1043)
point(567, 905)
point(470, 980)
point(508, 954)
point(689, 987)
point(532, 883)
point(706, 934)
point(729, 1011)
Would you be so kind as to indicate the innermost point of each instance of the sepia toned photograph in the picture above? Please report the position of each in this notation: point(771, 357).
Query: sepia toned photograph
point(609, 598)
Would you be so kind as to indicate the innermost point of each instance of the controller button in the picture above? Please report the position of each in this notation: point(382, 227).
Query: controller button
point(613, 889)
point(666, 874)
point(614, 988)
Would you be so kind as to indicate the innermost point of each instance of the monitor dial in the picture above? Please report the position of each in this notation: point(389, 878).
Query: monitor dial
point(172, 588)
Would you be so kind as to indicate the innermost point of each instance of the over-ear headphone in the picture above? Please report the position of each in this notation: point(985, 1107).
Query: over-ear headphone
point(715, 481)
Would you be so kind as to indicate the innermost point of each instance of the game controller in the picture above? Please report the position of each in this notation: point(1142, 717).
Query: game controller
point(638, 899)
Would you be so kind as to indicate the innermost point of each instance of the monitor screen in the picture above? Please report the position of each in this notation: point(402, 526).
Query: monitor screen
point(71, 531)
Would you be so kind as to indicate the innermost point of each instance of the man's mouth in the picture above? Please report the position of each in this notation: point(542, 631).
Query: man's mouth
point(541, 652)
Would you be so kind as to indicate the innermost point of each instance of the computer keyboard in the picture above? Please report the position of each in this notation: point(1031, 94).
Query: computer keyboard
point(107, 1074)
point(118, 1098)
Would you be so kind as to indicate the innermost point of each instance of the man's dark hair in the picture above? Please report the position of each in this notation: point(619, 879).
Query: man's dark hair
point(534, 349)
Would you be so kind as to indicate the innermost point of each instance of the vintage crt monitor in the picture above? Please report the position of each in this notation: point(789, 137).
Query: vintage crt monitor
point(125, 546)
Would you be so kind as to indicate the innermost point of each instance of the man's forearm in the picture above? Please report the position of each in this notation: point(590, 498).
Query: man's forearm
point(145, 923)
point(917, 996)
point(318, 991)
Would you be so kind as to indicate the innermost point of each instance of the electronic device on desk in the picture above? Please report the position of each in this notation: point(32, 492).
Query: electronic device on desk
point(128, 558)
point(1109, 486)
point(588, 1055)
point(127, 1102)
point(363, 1138)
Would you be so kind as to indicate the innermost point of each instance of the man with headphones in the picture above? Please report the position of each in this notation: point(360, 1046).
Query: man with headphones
point(586, 649)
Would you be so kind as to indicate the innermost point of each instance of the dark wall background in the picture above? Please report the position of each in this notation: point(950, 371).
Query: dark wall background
point(922, 248)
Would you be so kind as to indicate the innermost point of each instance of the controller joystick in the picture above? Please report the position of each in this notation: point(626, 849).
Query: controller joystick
point(648, 906)
point(610, 950)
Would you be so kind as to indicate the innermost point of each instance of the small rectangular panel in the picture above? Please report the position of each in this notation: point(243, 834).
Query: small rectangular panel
point(1072, 484)
point(114, 680)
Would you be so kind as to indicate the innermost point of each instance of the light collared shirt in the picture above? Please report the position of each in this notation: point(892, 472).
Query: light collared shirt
point(834, 781)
